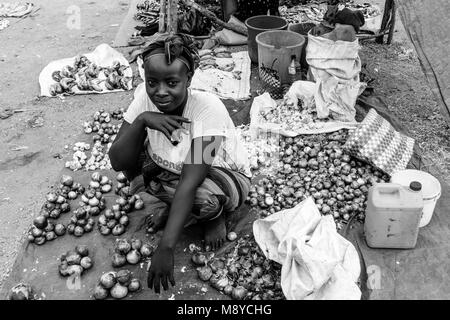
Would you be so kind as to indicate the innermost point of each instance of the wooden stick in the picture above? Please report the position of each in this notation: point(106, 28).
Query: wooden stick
point(172, 20)
point(214, 18)
point(162, 16)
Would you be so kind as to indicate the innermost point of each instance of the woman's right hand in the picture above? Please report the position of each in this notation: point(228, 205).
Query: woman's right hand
point(163, 122)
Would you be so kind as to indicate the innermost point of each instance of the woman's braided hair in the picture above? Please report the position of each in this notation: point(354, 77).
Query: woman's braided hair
point(175, 46)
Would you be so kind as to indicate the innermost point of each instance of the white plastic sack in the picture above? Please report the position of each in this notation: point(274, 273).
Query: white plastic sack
point(303, 90)
point(317, 262)
point(335, 68)
point(102, 56)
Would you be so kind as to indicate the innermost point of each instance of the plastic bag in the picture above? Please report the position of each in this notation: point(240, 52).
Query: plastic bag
point(335, 68)
point(317, 262)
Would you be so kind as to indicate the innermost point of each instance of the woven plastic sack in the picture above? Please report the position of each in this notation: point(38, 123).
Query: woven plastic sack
point(378, 143)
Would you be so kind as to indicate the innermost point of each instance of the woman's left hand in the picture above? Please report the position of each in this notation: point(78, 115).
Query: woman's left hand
point(161, 269)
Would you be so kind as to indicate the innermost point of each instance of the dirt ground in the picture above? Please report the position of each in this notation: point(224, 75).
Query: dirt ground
point(35, 143)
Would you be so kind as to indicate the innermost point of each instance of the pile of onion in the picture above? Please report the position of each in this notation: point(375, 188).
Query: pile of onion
point(117, 285)
point(118, 114)
point(243, 273)
point(130, 251)
point(57, 202)
point(316, 166)
point(75, 262)
point(79, 156)
point(123, 185)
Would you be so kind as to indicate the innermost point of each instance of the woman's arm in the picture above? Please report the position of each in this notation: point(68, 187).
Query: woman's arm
point(202, 153)
point(126, 148)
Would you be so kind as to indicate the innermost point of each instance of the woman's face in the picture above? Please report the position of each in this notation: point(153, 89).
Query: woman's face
point(166, 85)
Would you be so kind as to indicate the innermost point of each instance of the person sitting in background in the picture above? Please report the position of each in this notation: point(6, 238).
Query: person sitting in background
point(181, 147)
point(339, 23)
point(244, 9)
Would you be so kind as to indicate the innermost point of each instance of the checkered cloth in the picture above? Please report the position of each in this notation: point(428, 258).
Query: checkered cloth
point(378, 143)
point(271, 82)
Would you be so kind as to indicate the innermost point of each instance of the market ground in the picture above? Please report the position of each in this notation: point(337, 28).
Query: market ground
point(33, 143)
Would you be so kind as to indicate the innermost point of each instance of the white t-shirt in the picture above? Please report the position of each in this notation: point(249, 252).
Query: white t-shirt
point(208, 116)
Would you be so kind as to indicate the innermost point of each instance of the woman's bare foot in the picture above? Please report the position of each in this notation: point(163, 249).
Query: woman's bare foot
point(157, 221)
point(215, 232)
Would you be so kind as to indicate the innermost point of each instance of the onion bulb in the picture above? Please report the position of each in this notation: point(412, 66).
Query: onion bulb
point(123, 277)
point(119, 291)
point(86, 263)
point(239, 293)
point(146, 250)
point(136, 244)
point(231, 236)
point(228, 290)
point(67, 180)
point(108, 280)
point(199, 259)
point(82, 250)
point(118, 260)
point(133, 257)
point(100, 293)
point(204, 273)
point(134, 285)
point(40, 222)
point(123, 246)
point(139, 204)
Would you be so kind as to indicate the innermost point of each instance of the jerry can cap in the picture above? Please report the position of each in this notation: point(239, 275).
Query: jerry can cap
point(415, 186)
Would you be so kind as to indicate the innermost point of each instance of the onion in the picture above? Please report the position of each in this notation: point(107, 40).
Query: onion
point(111, 224)
point(118, 230)
point(216, 265)
point(86, 263)
point(119, 291)
point(74, 269)
point(50, 236)
point(50, 227)
point(204, 273)
point(100, 293)
point(72, 258)
point(232, 236)
point(109, 214)
point(124, 220)
point(108, 280)
point(139, 204)
point(36, 232)
point(239, 293)
point(65, 207)
point(104, 230)
point(81, 222)
point(67, 180)
point(52, 197)
point(122, 246)
point(70, 228)
point(88, 228)
point(78, 231)
point(21, 291)
point(104, 180)
point(136, 244)
point(146, 250)
point(72, 195)
point(106, 188)
point(219, 283)
point(133, 257)
point(121, 177)
point(102, 220)
point(96, 176)
point(39, 240)
point(134, 285)
point(123, 277)
point(93, 202)
point(228, 290)
point(82, 250)
point(40, 222)
point(199, 259)
point(118, 260)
